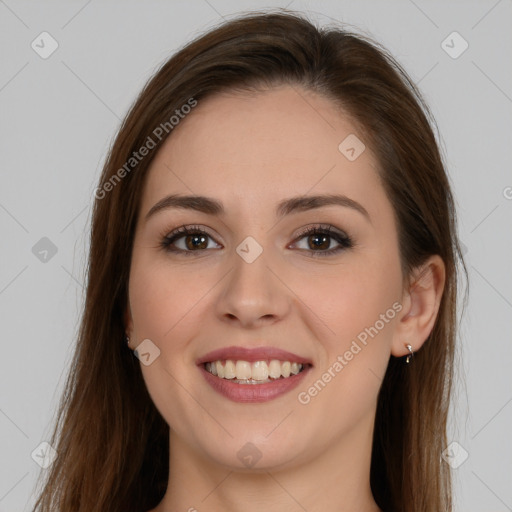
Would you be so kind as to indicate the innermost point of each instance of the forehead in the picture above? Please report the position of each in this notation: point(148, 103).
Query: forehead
point(262, 145)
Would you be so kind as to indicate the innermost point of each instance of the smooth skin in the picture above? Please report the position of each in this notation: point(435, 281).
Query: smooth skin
point(250, 151)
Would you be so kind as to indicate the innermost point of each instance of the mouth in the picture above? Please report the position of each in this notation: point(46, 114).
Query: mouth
point(257, 372)
point(253, 375)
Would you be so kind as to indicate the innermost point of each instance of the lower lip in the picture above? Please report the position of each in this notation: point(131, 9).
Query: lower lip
point(253, 393)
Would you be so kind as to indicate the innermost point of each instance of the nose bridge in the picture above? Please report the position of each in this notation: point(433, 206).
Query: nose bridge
point(252, 291)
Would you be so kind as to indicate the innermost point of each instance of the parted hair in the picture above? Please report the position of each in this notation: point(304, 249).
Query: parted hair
point(112, 443)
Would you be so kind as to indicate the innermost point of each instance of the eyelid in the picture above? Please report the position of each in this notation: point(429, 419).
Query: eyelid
point(182, 231)
point(343, 240)
point(329, 228)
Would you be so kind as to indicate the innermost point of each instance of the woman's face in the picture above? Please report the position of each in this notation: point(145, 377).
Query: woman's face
point(256, 280)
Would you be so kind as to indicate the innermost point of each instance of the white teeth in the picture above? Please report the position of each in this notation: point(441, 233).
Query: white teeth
point(274, 369)
point(220, 369)
point(259, 370)
point(245, 372)
point(229, 370)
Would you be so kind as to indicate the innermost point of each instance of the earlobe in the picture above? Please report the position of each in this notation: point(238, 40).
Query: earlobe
point(421, 306)
point(128, 323)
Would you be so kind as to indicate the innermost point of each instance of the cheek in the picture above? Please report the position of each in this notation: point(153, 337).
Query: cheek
point(163, 297)
point(360, 305)
point(350, 298)
point(356, 303)
point(165, 303)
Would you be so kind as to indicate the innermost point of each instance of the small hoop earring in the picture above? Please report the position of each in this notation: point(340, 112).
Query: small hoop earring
point(409, 356)
point(127, 339)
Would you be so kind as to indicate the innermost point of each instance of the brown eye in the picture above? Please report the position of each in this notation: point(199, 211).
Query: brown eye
point(196, 241)
point(192, 239)
point(319, 240)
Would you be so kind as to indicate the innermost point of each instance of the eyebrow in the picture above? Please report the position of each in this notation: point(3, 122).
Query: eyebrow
point(294, 204)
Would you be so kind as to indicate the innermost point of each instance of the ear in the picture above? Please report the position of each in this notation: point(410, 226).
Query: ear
point(420, 301)
point(128, 321)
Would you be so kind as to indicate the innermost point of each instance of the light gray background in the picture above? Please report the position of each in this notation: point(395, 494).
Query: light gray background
point(58, 116)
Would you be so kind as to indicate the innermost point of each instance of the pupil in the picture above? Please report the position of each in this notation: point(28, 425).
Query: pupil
point(323, 237)
point(194, 245)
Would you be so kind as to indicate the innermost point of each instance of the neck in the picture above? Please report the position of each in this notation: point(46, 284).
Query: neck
point(335, 480)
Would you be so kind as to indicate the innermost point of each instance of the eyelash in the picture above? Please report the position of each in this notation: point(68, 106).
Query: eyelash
point(344, 240)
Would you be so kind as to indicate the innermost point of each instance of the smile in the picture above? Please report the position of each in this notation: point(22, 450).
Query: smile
point(257, 372)
point(253, 375)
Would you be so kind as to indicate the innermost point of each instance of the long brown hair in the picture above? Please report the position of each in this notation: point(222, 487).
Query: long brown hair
point(112, 443)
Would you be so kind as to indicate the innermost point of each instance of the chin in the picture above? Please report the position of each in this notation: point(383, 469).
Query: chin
point(253, 451)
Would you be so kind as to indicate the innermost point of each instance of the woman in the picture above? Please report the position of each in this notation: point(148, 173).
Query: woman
point(271, 301)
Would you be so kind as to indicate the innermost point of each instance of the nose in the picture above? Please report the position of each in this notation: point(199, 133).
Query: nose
point(252, 293)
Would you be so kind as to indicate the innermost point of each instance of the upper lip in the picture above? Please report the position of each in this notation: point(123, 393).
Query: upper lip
point(251, 355)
